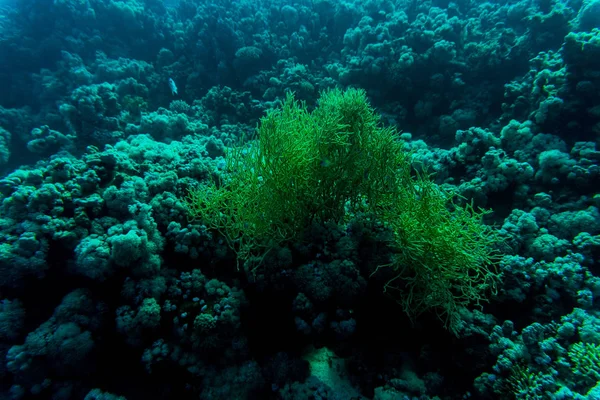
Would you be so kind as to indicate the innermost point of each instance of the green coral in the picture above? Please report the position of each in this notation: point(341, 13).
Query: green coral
point(444, 254)
point(585, 361)
point(525, 384)
point(305, 167)
point(309, 167)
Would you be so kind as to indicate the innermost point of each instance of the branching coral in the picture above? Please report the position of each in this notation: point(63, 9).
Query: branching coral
point(585, 359)
point(304, 168)
point(444, 257)
point(309, 167)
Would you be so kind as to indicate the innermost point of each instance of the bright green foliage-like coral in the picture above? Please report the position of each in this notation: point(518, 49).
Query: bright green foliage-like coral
point(585, 360)
point(443, 252)
point(304, 168)
point(314, 166)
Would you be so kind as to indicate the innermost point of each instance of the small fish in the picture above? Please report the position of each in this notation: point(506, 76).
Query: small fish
point(172, 86)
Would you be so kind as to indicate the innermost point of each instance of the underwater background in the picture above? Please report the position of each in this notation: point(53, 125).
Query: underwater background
point(319, 199)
